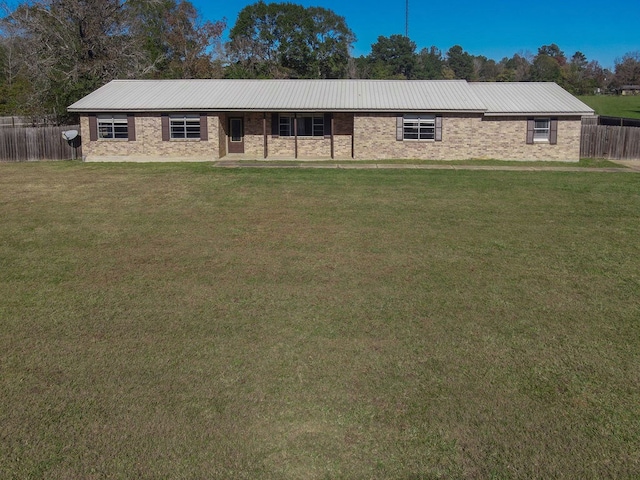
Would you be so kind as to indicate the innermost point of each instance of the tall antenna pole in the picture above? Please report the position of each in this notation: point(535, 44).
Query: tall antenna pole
point(406, 22)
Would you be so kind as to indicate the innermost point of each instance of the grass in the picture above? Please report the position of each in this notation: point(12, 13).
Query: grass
point(613, 105)
point(182, 321)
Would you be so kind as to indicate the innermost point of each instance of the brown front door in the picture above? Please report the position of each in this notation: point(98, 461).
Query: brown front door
point(236, 135)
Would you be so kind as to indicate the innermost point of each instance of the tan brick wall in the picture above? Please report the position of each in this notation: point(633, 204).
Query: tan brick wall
point(254, 135)
point(470, 136)
point(149, 146)
point(314, 147)
point(343, 134)
point(464, 137)
point(281, 147)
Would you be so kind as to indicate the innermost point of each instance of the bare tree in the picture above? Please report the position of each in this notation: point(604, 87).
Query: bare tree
point(64, 49)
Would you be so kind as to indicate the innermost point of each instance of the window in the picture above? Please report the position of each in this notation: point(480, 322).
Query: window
point(113, 127)
point(286, 126)
point(184, 126)
point(419, 127)
point(541, 129)
point(308, 125)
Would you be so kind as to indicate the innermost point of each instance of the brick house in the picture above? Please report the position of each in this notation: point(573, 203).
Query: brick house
point(207, 120)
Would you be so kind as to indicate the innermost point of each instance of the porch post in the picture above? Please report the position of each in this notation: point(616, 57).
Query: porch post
point(295, 135)
point(264, 134)
point(333, 129)
point(353, 135)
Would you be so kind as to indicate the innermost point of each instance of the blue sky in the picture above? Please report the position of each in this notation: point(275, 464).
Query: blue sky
point(602, 31)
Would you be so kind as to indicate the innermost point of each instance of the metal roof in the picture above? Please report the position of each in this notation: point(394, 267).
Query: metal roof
point(518, 98)
point(281, 95)
point(325, 95)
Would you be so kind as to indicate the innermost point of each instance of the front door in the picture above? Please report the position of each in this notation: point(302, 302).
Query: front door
point(236, 135)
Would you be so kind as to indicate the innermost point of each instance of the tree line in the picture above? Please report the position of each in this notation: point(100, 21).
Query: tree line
point(53, 52)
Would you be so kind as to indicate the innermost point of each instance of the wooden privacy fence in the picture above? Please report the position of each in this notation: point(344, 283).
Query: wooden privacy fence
point(604, 141)
point(19, 144)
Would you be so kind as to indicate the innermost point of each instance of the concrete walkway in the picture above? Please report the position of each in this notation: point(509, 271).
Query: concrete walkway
point(626, 166)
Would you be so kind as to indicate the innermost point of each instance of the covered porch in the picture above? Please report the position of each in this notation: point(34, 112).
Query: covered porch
point(286, 135)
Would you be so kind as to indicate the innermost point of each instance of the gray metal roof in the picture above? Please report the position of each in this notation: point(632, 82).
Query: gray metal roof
point(517, 98)
point(324, 95)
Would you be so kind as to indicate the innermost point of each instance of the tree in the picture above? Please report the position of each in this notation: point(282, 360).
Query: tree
point(627, 70)
point(289, 40)
point(177, 42)
point(69, 48)
point(554, 52)
point(545, 69)
point(595, 76)
point(485, 69)
point(63, 49)
point(574, 74)
point(393, 57)
point(460, 62)
point(515, 69)
point(429, 64)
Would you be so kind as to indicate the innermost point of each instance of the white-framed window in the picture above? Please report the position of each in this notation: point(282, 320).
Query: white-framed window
point(541, 129)
point(184, 126)
point(113, 127)
point(418, 127)
point(309, 125)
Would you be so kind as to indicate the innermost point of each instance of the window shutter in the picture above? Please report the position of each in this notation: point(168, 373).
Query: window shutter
point(131, 127)
point(166, 134)
point(438, 128)
point(275, 125)
point(93, 127)
point(399, 128)
point(553, 131)
point(327, 125)
point(204, 133)
point(530, 126)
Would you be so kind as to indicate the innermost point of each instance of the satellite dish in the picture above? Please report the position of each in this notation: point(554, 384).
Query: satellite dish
point(70, 135)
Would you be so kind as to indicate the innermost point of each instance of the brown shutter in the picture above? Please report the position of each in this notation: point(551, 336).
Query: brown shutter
point(327, 125)
point(131, 127)
point(93, 127)
point(399, 128)
point(438, 128)
point(275, 125)
point(553, 131)
point(166, 134)
point(204, 133)
point(530, 127)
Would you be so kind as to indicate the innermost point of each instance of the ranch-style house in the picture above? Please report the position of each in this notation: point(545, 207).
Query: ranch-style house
point(207, 120)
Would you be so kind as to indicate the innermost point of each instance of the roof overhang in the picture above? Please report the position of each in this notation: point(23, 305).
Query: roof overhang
point(271, 110)
point(537, 114)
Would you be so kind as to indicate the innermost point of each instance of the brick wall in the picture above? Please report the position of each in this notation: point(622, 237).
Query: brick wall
point(149, 146)
point(342, 135)
point(465, 137)
point(254, 135)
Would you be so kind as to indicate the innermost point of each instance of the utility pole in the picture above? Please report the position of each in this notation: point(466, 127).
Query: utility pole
point(406, 22)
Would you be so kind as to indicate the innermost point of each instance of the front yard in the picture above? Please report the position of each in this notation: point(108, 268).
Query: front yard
point(183, 321)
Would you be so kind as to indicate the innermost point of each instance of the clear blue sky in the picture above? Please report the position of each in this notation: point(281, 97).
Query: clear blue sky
point(601, 30)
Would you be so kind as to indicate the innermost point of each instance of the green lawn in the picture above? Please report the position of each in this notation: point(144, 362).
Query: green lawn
point(614, 105)
point(184, 321)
